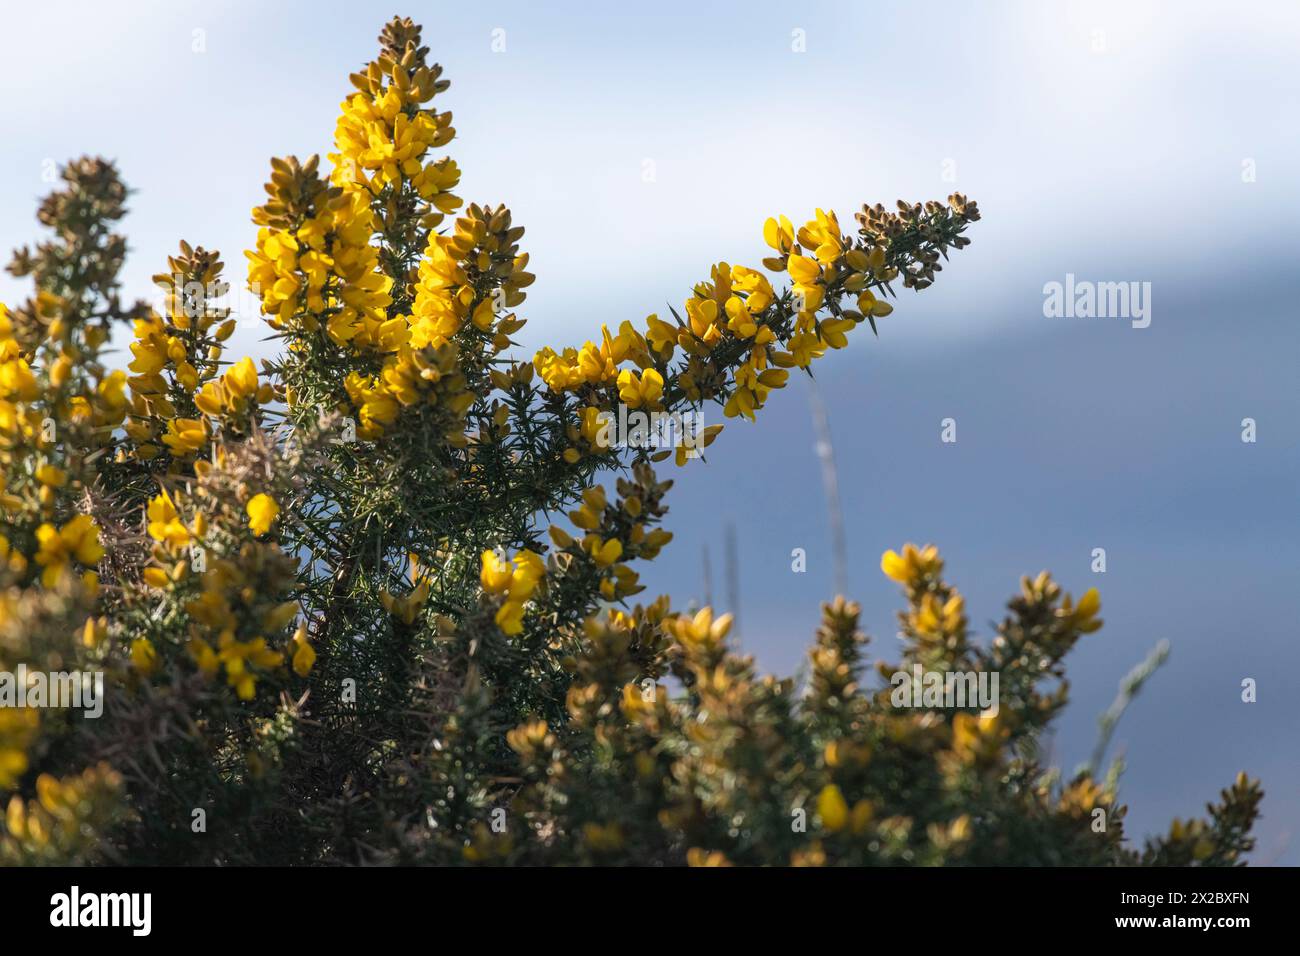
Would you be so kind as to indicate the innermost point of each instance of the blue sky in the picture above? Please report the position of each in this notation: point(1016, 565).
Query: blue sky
point(1107, 140)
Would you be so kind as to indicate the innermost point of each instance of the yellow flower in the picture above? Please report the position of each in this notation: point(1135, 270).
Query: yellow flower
point(698, 857)
point(833, 332)
point(804, 270)
point(185, 436)
point(807, 275)
point(978, 739)
point(17, 381)
point(510, 617)
point(165, 525)
point(912, 564)
point(755, 285)
point(739, 319)
point(701, 632)
point(51, 476)
point(1084, 616)
point(594, 427)
point(822, 235)
point(861, 816)
point(495, 575)
point(241, 379)
point(143, 656)
point(13, 764)
point(94, 631)
point(702, 316)
point(868, 304)
point(78, 539)
point(262, 512)
point(516, 581)
point(204, 656)
point(933, 620)
point(237, 655)
point(528, 571)
point(231, 394)
point(832, 808)
point(156, 577)
point(280, 615)
point(636, 392)
point(377, 407)
point(530, 736)
point(780, 236)
point(304, 656)
point(593, 505)
point(604, 553)
point(661, 336)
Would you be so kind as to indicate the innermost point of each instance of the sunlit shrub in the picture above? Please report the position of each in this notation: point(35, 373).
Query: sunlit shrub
point(335, 622)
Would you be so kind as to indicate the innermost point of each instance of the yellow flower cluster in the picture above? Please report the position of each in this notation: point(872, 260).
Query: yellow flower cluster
point(384, 133)
point(979, 739)
point(166, 527)
point(409, 377)
point(232, 394)
point(835, 814)
point(408, 607)
point(316, 267)
point(614, 535)
point(913, 565)
point(66, 814)
point(176, 354)
point(530, 737)
point(513, 582)
point(735, 327)
point(939, 619)
point(230, 599)
point(594, 364)
point(622, 649)
point(320, 269)
point(59, 409)
point(1083, 617)
point(19, 727)
point(701, 635)
point(262, 511)
point(594, 375)
point(427, 351)
point(71, 348)
point(482, 244)
point(242, 659)
point(77, 540)
point(18, 386)
point(34, 409)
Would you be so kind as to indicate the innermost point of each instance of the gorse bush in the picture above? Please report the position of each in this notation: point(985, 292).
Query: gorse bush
point(335, 623)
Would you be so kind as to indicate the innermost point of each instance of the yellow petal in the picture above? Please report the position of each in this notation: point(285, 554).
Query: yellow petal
point(832, 808)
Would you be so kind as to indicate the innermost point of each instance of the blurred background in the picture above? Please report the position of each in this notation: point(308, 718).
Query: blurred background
point(1117, 141)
